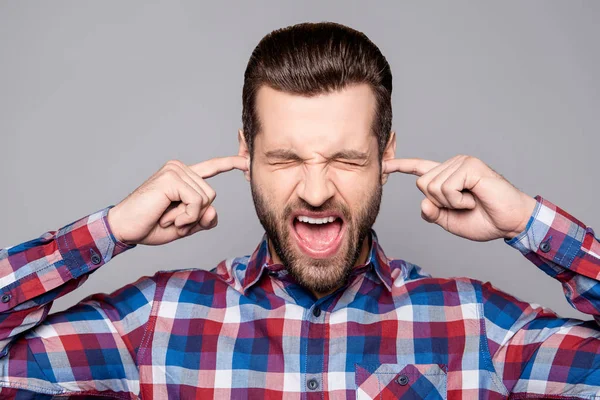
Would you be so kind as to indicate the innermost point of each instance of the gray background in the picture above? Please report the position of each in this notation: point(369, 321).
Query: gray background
point(97, 96)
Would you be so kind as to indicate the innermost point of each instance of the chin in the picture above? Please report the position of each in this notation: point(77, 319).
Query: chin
point(321, 274)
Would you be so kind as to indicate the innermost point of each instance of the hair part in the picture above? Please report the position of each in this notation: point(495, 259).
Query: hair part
point(309, 59)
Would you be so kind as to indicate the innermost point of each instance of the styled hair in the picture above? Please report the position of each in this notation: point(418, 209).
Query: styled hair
point(309, 59)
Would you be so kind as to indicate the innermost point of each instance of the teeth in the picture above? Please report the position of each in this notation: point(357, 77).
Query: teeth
point(303, 218)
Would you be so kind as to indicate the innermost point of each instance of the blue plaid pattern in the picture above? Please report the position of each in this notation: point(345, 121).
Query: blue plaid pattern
point(246, 329)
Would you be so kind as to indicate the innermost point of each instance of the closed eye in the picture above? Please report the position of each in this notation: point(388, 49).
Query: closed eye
point(288, 162)
point(351, 163)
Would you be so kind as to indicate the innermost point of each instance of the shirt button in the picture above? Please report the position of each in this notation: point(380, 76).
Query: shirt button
point(316, 312)
point(312, 384)
point(6, 298)
point(273, 273)
point(402, 380)
point(545, 246)
point(95, 257)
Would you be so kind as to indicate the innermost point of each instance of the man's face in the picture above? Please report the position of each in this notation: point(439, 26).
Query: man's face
point(316, 181)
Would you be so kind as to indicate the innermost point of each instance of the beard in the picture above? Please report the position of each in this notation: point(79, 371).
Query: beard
point(318, 275)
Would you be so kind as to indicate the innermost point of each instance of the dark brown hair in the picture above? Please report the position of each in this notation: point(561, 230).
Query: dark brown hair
point(313, 58)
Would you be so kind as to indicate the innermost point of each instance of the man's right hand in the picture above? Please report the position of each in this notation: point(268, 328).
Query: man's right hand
point(173, 203)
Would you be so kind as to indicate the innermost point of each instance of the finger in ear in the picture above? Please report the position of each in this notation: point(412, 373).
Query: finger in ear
point(384, 178)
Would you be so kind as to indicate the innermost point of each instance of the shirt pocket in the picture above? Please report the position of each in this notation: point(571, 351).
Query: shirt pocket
point(400, 381)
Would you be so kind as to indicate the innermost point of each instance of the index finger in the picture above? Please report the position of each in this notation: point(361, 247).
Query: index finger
point(415, 166)
point(215, 166)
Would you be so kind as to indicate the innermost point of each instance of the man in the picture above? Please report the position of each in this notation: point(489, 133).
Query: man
point(318, 310)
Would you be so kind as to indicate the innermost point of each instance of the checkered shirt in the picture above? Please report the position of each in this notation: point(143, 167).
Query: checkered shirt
point(246, 329)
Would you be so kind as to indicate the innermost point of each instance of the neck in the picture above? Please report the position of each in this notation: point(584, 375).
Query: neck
point(362, 258)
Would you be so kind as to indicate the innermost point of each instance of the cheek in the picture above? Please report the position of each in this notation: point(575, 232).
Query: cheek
point(277, 186)
point(353, 186)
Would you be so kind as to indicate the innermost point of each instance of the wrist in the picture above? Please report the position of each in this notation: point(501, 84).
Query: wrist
point(529, 206)
point(112, 225)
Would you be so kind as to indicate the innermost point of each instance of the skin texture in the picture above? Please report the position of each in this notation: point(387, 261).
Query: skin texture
point(463, 195)
point(175, 202)
point(467, 198)
point(297, 165)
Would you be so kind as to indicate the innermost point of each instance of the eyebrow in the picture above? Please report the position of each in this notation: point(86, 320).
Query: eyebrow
point(351, 155)
point(282, 154)
point(285, 154)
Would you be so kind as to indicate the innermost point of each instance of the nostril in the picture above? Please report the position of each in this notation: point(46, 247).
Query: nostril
point(316, 193)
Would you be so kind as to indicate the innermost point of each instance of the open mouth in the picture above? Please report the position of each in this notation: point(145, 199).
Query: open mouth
point(318, 236)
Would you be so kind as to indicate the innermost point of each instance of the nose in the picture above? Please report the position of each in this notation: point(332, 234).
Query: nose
point(316, 188)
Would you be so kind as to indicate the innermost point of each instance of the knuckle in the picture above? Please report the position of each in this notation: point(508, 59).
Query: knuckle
point(211, 193)
point(199, 197)
point(204, 199)
point(172, 165)
point(472, 160)
point(445, 188)
point(170, 174)
point(433, 186)
point(420, 184)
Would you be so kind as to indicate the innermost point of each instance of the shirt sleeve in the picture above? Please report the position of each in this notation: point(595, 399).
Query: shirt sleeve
point(89, 348)
point(533, 350)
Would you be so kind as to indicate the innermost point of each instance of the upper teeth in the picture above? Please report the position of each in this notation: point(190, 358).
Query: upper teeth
point(309, 220)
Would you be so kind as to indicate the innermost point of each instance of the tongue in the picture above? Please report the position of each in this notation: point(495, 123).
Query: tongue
point(318, 236)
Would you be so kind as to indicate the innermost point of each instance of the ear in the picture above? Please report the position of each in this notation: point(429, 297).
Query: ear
point(388, 154)
point(243, 151)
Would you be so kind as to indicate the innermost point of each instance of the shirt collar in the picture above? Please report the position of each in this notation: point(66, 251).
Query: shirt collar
point(261, 259)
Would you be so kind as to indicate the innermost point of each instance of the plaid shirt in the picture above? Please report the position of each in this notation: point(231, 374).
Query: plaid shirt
point(247, 330)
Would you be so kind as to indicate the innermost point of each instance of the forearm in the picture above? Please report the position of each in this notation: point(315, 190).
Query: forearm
point(35, 273)
point(566, 249)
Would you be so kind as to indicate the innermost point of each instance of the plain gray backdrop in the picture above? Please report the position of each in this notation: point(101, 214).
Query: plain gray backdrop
point(96, 96)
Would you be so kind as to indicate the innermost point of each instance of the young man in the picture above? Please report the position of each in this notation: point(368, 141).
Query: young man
point(317, 310)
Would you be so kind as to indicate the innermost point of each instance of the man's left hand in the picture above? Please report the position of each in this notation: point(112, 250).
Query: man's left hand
point(467, 198)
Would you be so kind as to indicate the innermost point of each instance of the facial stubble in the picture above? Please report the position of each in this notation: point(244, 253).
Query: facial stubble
point(318, 275)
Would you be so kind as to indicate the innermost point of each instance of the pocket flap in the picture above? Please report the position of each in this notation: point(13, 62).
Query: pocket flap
point(405, 381)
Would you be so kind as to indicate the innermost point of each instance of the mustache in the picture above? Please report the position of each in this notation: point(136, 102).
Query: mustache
point(329, 205)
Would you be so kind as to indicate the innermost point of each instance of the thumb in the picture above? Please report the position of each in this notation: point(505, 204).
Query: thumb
point(430, 212)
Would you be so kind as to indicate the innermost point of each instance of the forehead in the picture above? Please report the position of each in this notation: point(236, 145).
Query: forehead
point(321, 123)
